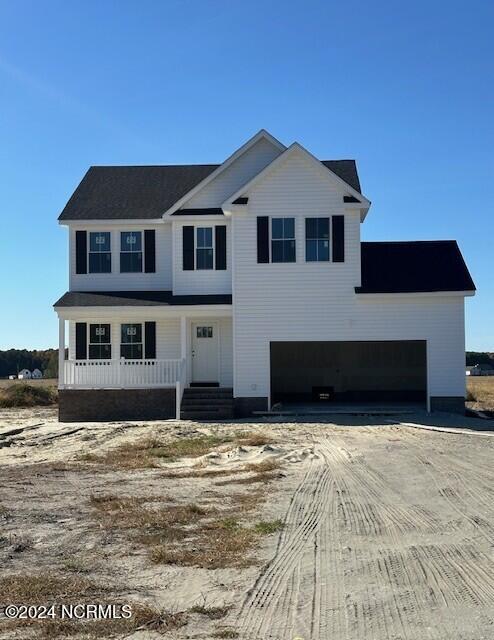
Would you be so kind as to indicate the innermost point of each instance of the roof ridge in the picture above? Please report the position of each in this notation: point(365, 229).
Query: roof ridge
point(406, 241)
point(148, 166)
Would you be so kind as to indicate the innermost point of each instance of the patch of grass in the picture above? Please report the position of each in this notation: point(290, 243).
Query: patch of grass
point(266, 527)
point(480, 392)
point(4, 512)
point(27, 395)
point(49, 588)
point(254, 439)
point(213, 613)
point(150, 452)
point(225, 632)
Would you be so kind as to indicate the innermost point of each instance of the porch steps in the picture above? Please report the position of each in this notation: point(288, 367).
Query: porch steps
point(207, 403)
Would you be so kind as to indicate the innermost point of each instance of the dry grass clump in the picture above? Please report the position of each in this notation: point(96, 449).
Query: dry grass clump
point(254, 439)
point(267, 527)
point(27, 395)
point(480, 392)
point(151, 452)
point(213, 613)
point(263, 472)
point(225, 632)
point(50, 588)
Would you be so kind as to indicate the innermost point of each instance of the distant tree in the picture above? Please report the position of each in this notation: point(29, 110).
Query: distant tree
point(479, 357)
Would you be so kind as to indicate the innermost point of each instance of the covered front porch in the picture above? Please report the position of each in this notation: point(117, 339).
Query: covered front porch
point(108, 348)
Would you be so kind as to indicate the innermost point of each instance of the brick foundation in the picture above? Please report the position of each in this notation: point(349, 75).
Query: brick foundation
point(103, 405)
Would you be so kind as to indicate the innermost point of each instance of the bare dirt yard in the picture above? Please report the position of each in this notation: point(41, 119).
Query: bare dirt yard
point(364, 529)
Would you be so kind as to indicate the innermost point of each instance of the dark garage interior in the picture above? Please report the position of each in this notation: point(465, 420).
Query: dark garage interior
point(367, 371)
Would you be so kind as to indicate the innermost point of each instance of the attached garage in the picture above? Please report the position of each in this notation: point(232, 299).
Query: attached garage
point(363, 371)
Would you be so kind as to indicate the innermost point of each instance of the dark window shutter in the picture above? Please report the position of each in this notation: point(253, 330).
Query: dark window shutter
point(262, 239)
point(220, 247)
point(188, 248)
point(150, 251)
point(80, 341)
point(81, 251)
point(150, 339)
point(338, 238)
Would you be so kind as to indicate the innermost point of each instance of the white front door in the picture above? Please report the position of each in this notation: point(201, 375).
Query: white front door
point(205, 352)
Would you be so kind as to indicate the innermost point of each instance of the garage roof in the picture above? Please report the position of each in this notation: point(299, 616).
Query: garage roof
point(413, 267)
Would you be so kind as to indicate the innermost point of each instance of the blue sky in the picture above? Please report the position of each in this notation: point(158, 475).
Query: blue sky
point(405, 88)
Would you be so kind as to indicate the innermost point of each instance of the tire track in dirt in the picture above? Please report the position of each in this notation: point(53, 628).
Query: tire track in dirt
point(276, 591)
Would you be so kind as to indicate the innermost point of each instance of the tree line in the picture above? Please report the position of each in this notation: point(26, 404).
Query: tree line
point(13, 360)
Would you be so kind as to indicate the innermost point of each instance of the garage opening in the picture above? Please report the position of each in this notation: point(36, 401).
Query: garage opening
point(349, 372)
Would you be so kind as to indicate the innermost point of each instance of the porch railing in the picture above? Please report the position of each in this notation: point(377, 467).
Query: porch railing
point(94, 374)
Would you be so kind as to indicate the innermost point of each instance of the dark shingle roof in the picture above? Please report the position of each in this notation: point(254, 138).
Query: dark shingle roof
point(135, 299)
point(146, 192)
point(346, 170)
point(413, 267)
point(117, 193)
point(213, 211)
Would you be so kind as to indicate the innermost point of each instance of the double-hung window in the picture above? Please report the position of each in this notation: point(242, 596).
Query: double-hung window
point(317, 239)
point(282, 239)
point(204, 248)
point(131, 341)
point(99, 252)
point(131, 252)
point(99, 342)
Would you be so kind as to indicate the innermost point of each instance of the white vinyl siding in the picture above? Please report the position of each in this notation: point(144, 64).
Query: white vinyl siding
point(116, 281)
point(237, 174)
point(200, 281)
point(316, 300)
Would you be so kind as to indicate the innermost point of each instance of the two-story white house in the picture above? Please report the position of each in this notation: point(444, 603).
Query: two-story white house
point(212, 290)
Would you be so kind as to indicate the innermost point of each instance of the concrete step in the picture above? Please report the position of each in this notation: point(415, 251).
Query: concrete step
point(206, 415)
point(207, 402)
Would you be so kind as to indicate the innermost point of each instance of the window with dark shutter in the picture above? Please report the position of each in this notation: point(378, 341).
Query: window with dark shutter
point(188, 248)
point(262, 239)
point(150, 251)
point(150, 339)
point(80, 341)
point(338, 233)
point(81, 251)
point(220, 247)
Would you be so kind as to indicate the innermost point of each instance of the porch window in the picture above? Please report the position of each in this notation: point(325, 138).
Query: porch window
point(204, 251)
point(99, 342)
point(317, 239)
point(131, 341)
point(131, 252)
point(283, 240)
point(99, 252)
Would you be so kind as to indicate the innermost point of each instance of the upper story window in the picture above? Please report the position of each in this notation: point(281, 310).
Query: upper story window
point(204, 248)
point(99, 342)
point(131, 252)
point(99, 252)
point(283, 240)
point(131, 341)
point(317, 239)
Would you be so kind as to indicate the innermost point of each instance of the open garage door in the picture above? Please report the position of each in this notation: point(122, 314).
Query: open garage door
point(391, 371)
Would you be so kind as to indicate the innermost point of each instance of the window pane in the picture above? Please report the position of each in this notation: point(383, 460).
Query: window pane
point(311, 250)
point(100, 352)
point(99, 241)
point(289, 250)
point(131, 333)
point(289, 227)
point(204, 237)
point(131, 241)
point(277, 228)
point(204, 259)
point(131, 351)
point(99, 333)
point(323, 228)
point(323, 250)
point(99, 262)
point(277, 251)
point(131, 262)
point(311, 228)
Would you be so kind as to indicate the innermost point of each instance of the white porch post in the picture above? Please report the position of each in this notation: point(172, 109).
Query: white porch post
point(183, 343)
point(61, 352)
